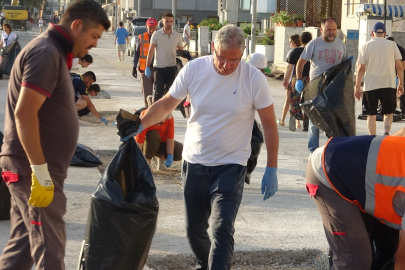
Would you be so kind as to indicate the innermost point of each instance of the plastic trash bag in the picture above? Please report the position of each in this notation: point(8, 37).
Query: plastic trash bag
point(123, 213)
point(84, 157)
point(5, 196)
point(329, 101)
point(9, 55)
point(256, 145)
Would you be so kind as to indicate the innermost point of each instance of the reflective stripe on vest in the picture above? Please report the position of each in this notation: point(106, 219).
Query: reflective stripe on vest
point(385, 175)
point(144, 45)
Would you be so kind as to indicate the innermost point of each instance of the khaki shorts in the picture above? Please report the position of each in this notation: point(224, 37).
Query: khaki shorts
point(121, 47)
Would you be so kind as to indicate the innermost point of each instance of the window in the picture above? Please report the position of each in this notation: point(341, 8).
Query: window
point(244, 4)
point(353, 4)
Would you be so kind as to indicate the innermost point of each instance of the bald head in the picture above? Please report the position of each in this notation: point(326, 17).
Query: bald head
point(329, 29)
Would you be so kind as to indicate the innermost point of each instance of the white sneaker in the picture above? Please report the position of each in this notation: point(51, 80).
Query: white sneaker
point(119, 60)
point(161, 165)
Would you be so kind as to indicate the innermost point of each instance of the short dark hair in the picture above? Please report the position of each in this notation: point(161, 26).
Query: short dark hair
point(90, 74)
point(94, 87)
point(327, 19)
point(88, 58)
point(391, 38)
point(305, 37)
point(89, 11)
point(296, 39)
point(121, 24)
point(168, 14)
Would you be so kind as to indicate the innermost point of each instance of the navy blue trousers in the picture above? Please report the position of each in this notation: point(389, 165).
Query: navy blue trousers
point(216, 192)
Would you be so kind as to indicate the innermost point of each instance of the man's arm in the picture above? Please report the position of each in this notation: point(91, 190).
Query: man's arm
point(159, 110)
point(361, 69)
point(268, 119)
point(26, 117)
point(400, 74)
point(300, 67)
point(169, 146)
point(287, 75)
point(91, 107)
point(400, 255)
point(137, 53)
point(115, 40)
point(151, 52)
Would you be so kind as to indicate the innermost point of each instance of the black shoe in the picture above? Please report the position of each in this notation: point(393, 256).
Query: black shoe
point(1, 77)
point(386, 134)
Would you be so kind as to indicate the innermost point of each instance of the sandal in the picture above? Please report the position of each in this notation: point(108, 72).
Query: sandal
point(279, 122)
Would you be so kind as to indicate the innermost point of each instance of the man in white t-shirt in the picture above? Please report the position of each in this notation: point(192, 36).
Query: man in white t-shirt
point(41, 25)
point(186, 35)
point(225, 93)
point(379, 58)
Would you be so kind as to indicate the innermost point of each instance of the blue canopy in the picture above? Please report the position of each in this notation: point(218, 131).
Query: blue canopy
point(397, 11)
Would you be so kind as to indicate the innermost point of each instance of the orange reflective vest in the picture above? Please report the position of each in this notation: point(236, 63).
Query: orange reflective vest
point(384, 176)
point(144, 49)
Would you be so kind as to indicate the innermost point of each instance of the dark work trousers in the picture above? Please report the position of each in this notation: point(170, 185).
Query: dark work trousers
point(343, 224)
point(214, 191)
point(147, 86)
point(37, 235)
point(153, 147)
point(164, 78)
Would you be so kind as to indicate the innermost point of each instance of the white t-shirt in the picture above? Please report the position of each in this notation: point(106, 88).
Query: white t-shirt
point(2, 15)
point(219, 129)
point(379, 55)
point(41, 23)
point(10, 38)
point(186, 28)
point(75, 61)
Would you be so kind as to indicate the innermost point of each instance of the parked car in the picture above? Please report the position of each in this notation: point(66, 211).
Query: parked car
point(138, 30)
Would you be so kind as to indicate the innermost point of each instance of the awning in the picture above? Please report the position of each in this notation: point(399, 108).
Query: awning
point(397, 11)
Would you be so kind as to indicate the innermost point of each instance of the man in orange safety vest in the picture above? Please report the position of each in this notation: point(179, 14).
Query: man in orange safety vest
point(141, 53)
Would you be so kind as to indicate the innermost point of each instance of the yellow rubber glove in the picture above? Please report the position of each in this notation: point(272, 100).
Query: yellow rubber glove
point(42, 186)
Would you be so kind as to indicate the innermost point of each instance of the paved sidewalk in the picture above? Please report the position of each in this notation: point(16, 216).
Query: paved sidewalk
point(288, 223)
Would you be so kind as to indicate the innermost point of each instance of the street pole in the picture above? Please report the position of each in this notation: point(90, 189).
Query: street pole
point(139, 8)
point(116, 15)
point(385, 12)
point(253, 23)
point(174, 7)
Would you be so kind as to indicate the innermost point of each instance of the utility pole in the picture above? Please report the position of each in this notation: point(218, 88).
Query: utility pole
point(174, 7)
point(385, 12)
point(253, 28)
point(115, 14)
point(139, 8)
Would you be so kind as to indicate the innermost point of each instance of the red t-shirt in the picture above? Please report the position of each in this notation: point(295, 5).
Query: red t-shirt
point(166, 130)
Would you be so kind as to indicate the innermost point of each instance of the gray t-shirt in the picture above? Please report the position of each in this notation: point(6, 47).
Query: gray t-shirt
point(166, 46)
point(324, 55)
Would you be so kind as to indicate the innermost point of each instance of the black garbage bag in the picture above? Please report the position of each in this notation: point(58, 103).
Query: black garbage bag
point(84, 157)
point(256, 145)
point(9, 55)
point(5, 196)
point(329, 102)
point(185, 54)
point(127, 123)
point(123, 213)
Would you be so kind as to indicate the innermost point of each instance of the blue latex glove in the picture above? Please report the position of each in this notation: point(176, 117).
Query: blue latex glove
point(269, 183)
point(140, 128)
point(169, 161)
point(147, 72)
point(102, 119)
point(299, 85)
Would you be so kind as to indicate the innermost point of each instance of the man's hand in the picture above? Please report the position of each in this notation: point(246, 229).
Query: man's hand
point(42, 187)
point(102, 119)
point(169, 160)
point(357, 92)
point(134, 73)
point(285, 83)
point(299, 85)
point(140, 128)
point(269, 183)
point(400, 90)
point(147, 72)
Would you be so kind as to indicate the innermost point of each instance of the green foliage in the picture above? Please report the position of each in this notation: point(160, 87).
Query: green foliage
point(297, 17)
point(247, 29)
point(212, 23)
point(29, 4)
point(282, 17)
point(268, 39)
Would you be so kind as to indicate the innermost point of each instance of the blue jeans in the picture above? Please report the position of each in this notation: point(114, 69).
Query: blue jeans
point(313, 137)
point(214, 191)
